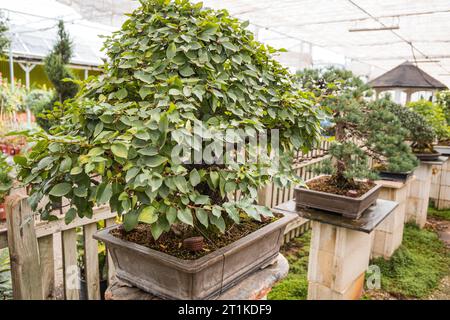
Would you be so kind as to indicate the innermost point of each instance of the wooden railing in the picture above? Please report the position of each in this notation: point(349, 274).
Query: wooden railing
point(31, 247)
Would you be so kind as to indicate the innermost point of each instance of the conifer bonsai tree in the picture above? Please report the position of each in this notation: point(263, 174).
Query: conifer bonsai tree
point(173, 66)
point(55, 65)
point(362, 130)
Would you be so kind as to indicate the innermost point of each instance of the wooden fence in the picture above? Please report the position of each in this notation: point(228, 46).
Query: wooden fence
point(32, 247)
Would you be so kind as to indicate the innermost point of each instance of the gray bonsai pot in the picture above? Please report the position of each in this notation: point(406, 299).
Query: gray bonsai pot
point(204, 278)
point(444, 150)
point(346, 206)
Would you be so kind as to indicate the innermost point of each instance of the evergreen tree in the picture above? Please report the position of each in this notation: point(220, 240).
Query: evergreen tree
point(362, 129)
point(4, 41)
point(55, 65)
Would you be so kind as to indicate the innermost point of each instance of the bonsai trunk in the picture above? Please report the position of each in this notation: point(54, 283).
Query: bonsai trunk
point(338, 178)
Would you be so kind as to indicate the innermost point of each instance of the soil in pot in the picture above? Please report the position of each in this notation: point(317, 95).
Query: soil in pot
point(172, 242)
point(326, 184)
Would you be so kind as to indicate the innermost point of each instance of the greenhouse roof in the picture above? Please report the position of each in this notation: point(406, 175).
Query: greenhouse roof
point(406, 75)
point(33, 28)
point(379, 34)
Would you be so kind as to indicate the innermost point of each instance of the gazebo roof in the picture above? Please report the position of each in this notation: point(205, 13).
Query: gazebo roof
point(406, 75)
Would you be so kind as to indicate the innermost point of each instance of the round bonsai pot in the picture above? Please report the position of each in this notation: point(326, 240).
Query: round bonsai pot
point(428, 156)
point(349, 207)
point(2, 212)
point(207, 277)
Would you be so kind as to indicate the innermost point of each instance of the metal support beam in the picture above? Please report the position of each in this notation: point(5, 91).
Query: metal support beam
point(27, 67)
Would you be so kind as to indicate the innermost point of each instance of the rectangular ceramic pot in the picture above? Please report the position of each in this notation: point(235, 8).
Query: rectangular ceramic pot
point(395, 176)
point(444, 150)
point(428, 156)
point(204, 278)
point(346, 206)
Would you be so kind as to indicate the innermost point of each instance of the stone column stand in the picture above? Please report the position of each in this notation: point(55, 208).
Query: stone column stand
point(389, 234)
point(340, 249)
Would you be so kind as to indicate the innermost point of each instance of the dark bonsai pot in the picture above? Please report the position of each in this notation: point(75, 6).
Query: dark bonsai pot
point(83, 289)
point(348, 207)
point(395, 176)
point(432, 156)
point(2, 212)
point(204, 278)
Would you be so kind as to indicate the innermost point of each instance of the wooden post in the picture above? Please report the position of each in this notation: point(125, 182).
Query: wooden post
point(70, 268)
point(91, 262)
point(111, 269)
point(23, 250)
point(47, 265)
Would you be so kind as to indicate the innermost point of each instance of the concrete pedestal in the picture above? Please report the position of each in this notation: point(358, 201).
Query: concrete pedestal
point(389, 234)
point(254, 287)
point(340, 249)
point(440, 185)
point(419, 196)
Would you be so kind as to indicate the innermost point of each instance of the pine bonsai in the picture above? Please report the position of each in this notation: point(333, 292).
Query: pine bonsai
point(173, 67)
point(363, 130)
point(55, 65)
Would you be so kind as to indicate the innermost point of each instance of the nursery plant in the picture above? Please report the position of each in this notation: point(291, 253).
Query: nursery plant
point(173, 66)
point(55, 65)
point(362, 129)
point(434, 114)
point(5, 184)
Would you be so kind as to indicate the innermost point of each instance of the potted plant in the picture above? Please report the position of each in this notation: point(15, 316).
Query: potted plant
point(443, 110)
point(362, 130)
point(179, 82)
point(5, 185)
point(420, 133)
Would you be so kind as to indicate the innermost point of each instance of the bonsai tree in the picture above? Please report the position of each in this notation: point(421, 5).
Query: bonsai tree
point(420, 133)
point(434, 114)
point(173, 67)
point(362, 130)
point(55, 65)
point(37, 99)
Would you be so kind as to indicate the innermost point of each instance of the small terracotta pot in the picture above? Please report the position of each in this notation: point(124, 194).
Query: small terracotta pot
point(193, 243)
point(2, 212)
point(4, 148)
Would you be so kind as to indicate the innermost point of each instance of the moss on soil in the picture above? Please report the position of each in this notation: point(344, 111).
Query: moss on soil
point(417, 267)
point(440, 214)
point(295, 285)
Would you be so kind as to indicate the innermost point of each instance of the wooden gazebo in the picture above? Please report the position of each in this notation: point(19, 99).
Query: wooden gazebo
point(406, 78)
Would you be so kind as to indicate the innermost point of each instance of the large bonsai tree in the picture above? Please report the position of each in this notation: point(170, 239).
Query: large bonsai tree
point(173, 67)
point(362, 129)
point(55, 65)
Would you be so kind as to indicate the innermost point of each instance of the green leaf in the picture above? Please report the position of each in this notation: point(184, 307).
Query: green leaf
point(217, 211)
point(194, 177)
point(119, 150)
point(21, 160)
point(144, 92)
point(131, 173)
point(76, 170)
point(148, 215)
point(186, 71)
point(149, 151)
point(70, 215)
point(104, 193)
point(130, 220)
point(121, 94)
point(218, 222)
point(171, 215)
point(80, 191)
point(155, 161)
point(65, 165)
point(202, 216)
point(61, 189)
point(156, 230)
point(230, 46)
point(214, 176)
point(171, 51)
point(144, 76)
point(185, 216)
